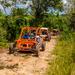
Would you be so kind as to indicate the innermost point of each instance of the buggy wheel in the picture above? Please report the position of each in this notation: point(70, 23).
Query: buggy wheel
point(49, 38)
point(15, 52)
point(43, 47)
point(36, 51)
point(12, 48)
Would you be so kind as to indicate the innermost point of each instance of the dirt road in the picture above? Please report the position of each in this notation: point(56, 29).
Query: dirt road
point(26, 65)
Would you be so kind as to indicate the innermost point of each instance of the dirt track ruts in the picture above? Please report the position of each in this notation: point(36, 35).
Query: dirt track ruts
point(18, 65)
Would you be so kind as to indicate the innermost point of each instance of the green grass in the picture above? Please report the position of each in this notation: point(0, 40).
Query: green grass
point(4, 45)
point(64, 63)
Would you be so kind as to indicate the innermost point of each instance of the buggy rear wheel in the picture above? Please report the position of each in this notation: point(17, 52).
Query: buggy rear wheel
point(43, 47)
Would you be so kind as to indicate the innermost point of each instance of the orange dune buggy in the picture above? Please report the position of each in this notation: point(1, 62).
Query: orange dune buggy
point(28, 41)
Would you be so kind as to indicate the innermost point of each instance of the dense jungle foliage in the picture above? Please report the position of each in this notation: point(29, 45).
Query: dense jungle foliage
point(43, 13)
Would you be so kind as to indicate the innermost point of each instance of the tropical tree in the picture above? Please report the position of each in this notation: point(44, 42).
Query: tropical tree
point(70, 6)
point(5, 4)
point(42, 6)
point(71, 12)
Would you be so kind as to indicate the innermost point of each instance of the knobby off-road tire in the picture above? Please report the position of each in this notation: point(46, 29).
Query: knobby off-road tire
point(12, 48)
point(43, 47)
point(49, 37)
point(36, 51)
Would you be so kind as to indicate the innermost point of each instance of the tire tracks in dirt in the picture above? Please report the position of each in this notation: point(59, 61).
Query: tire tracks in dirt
point(30, 65)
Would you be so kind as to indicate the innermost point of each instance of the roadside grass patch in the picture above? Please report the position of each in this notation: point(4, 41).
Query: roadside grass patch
point(4, 45)
point(64, 63)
